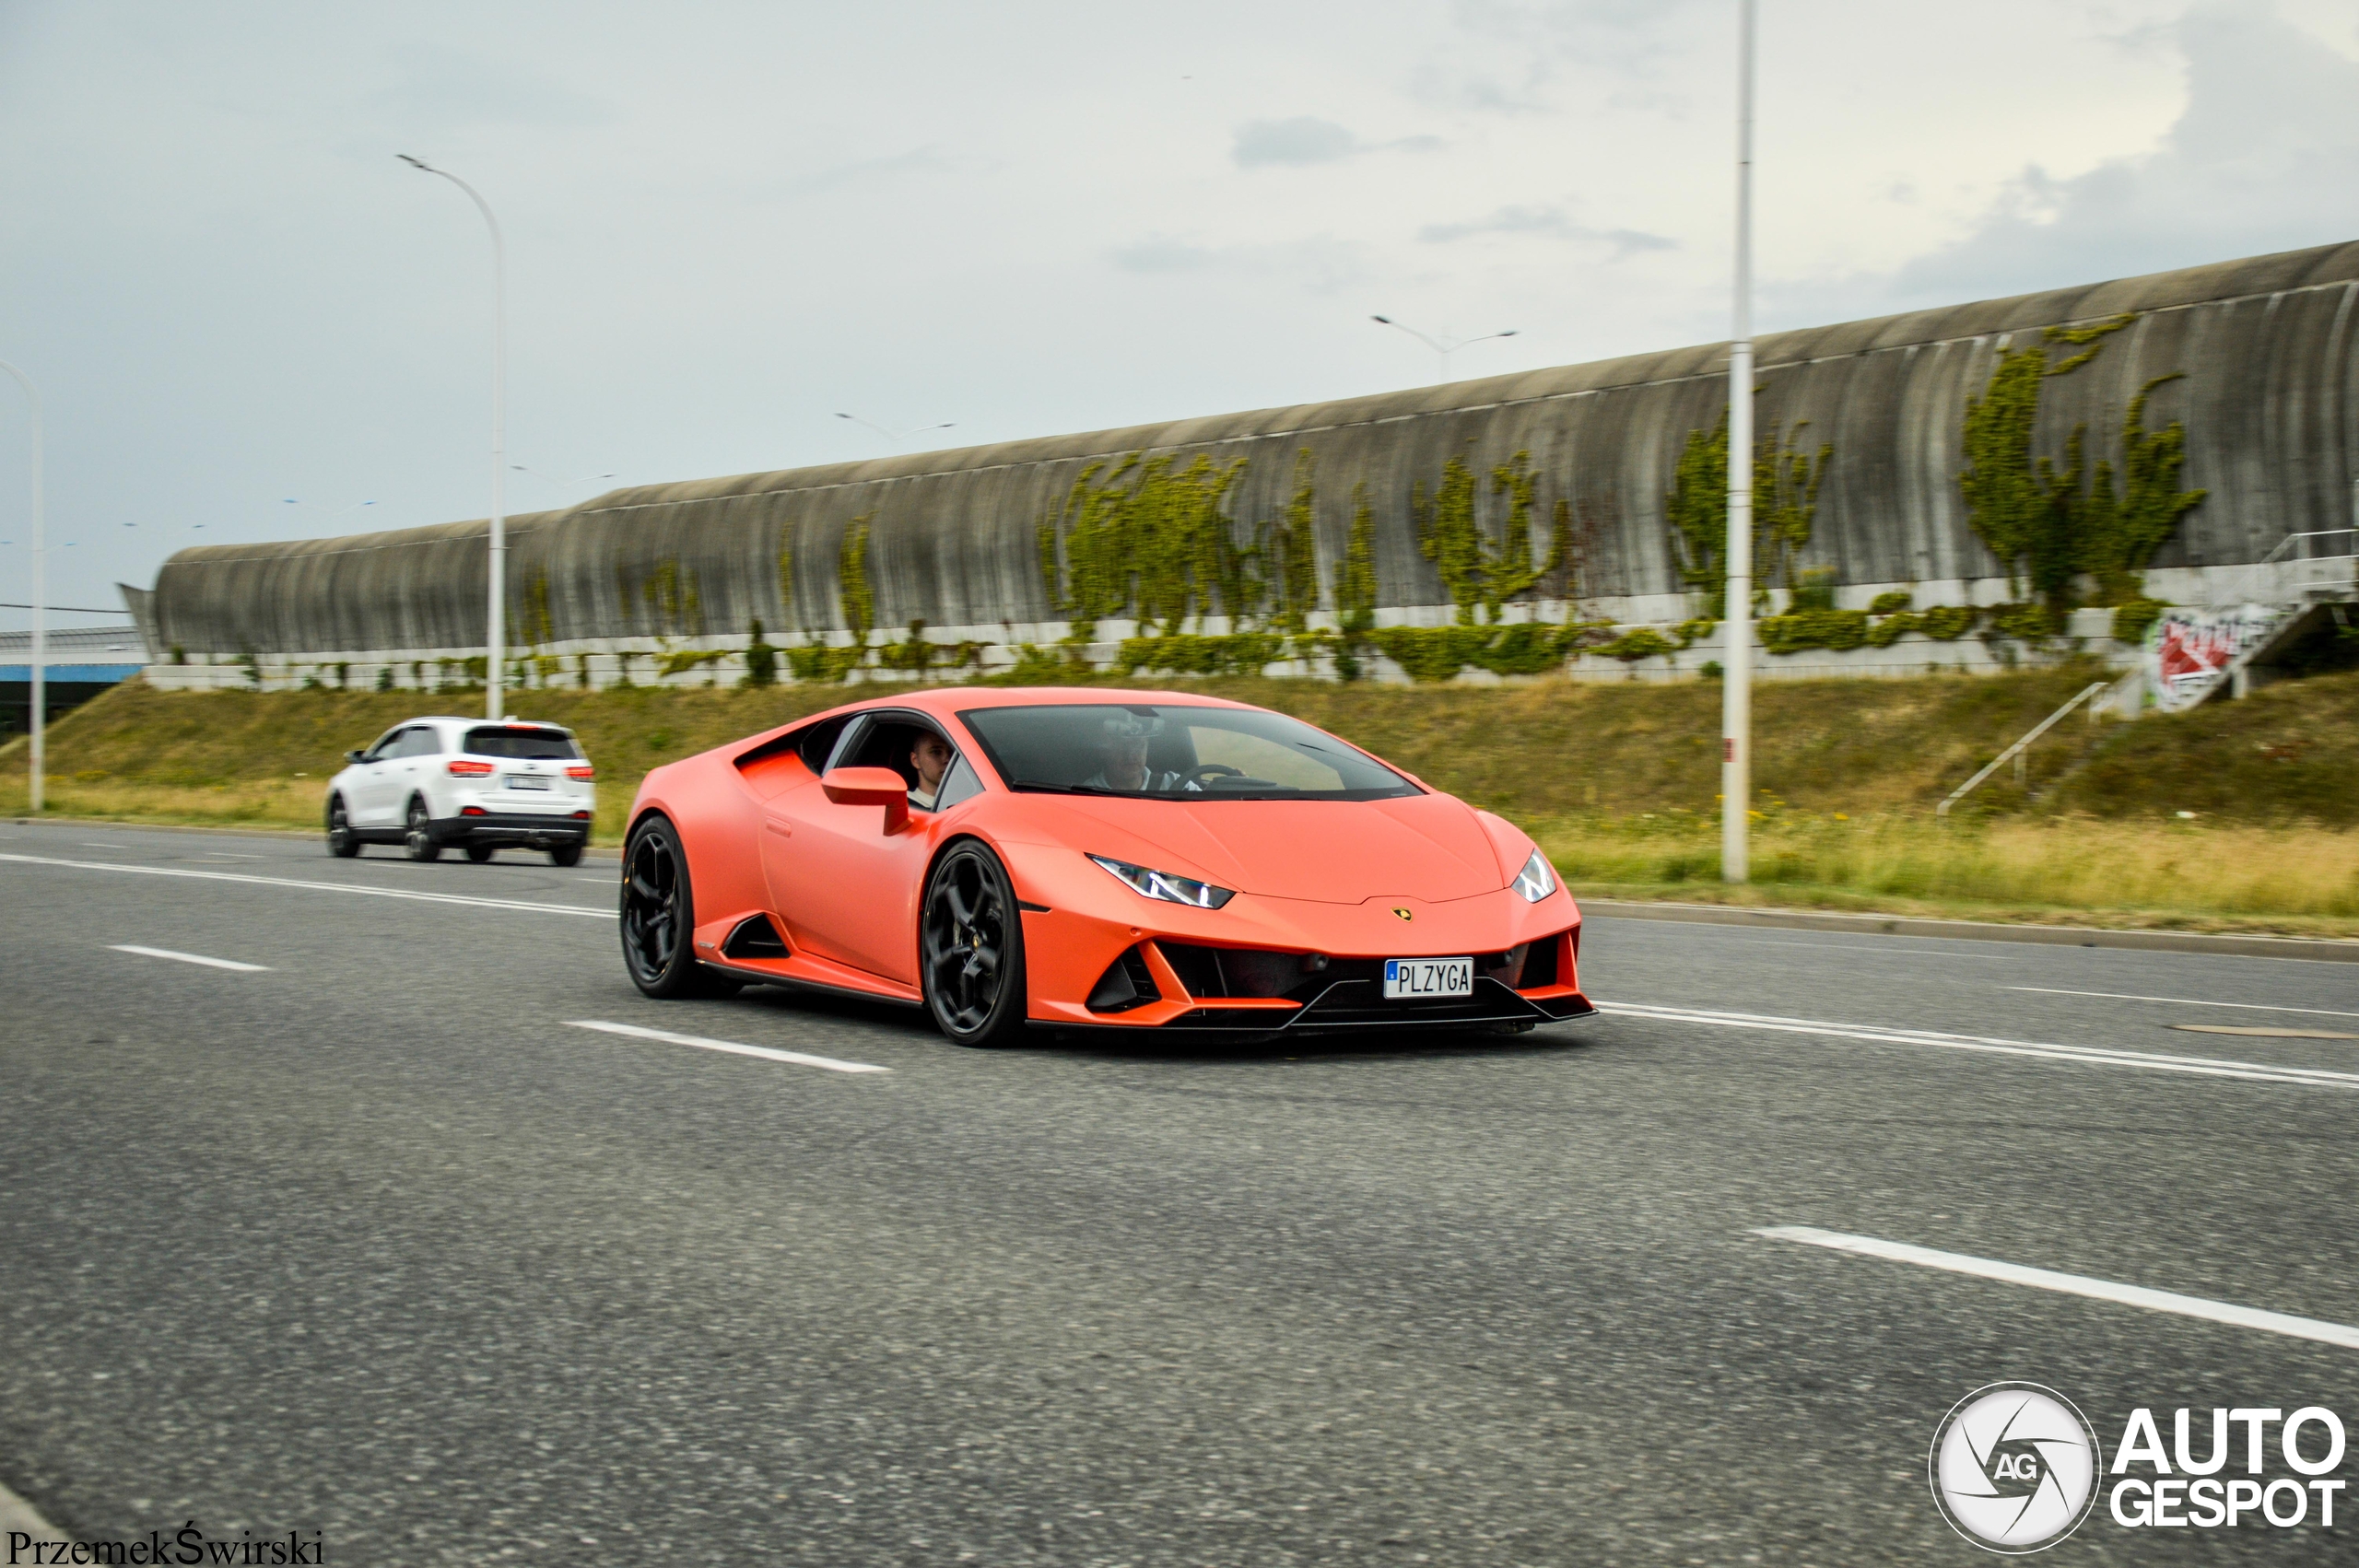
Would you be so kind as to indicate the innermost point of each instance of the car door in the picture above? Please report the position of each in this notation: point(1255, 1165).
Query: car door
point(368, 791)
point(406, 774)
point(848, 889)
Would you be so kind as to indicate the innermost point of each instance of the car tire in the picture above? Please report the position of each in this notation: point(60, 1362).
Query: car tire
point(566, 855)
point(417, 835)
point(479, 853)
point(659, 918)
point(971, 949)
point(342, 843)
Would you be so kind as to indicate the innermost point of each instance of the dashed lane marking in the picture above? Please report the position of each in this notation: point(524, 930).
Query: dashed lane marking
point(796, 1059)
point(189, 958)
point(2074, 1284)
point(2085, 1056)
point(2190, 1002)
point(310, 886)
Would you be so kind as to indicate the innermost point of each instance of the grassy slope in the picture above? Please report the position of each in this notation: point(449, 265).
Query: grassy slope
point(1619, 781)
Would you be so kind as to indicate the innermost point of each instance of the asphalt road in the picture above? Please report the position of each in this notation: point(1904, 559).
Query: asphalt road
point(374, 1241)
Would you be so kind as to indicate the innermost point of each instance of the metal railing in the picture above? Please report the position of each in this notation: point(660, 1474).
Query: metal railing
point(2300, 566)
point(2017, 753)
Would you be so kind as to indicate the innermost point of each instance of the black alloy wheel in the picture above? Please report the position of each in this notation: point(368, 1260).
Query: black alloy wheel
point(419, 835)
point(659, 918)
point(566, 855)
point(970, 941)
point(342, 843)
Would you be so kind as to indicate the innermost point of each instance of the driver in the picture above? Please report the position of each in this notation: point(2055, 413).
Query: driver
point(930, 755)
point(1126, 747)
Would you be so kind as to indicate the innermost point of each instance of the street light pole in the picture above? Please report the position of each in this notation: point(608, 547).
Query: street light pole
point(896, 437)
point(1445, 350)
point(1736, 675)
point(41, 598)
point(493, 670)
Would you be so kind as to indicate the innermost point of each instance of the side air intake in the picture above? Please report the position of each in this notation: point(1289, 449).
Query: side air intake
point(755, 938)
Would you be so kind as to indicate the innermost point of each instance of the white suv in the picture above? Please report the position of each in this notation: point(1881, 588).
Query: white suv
point(477, 783)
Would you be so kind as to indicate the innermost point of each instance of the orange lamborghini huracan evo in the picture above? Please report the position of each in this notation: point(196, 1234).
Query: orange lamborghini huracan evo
point(1075, 859)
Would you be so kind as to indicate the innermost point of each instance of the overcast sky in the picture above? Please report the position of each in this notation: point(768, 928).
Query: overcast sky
point(727, 223)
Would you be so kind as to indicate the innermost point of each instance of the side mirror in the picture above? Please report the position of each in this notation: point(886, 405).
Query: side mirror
point(870, 787)
point(356, 757)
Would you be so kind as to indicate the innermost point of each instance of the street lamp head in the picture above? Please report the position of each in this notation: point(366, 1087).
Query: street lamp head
point(1386, 320)
point(1509, 333)
point(415, 162)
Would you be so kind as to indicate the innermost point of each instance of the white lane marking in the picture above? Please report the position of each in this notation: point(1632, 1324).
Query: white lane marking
point(2187, 1002)
point(794, 1058)
point(189, 958)
point(2088, 1056)
point(314, 887)
point(2074, 1284)
point(1862, 947)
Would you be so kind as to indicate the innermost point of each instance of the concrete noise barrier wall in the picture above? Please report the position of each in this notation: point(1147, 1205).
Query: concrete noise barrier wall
point(2266, 389)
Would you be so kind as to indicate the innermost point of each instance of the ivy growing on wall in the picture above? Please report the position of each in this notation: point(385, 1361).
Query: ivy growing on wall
point(1149, 542)
point(1785, 505)
point(1355, 588)
point(1479, 573)
point(2044, 523)
point(855, 590)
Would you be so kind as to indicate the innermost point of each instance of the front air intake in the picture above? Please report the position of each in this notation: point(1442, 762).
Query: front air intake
point(1127, 983)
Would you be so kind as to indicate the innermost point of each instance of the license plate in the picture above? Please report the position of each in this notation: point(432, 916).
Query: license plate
point(527, 781)
point(1407, 977)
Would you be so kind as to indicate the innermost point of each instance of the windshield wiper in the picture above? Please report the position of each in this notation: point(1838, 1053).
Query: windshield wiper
point(1049, 788)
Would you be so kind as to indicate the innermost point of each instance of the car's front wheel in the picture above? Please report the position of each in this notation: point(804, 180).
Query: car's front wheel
point(342, 843)
point(566, 855)
point(417, 836)
point(479, 853)
point(659, 916)
point(971, 949)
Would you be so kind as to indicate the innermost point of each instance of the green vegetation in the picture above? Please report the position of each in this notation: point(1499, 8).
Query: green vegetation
point(1617, 781)
point(2047, 525)
point(1785, 505)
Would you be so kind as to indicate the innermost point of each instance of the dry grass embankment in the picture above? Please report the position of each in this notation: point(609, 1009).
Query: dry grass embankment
point(1619, 782)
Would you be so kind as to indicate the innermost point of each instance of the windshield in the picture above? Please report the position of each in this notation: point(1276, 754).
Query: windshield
point(525, 745)
point(1174, 752)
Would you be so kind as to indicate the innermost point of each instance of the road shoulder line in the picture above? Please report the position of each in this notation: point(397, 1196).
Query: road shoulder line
point(768, 1053)
point(2332, 949)
point(2074, 1284)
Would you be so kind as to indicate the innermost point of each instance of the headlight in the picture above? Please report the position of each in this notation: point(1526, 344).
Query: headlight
point(1535, 882)
point(1163, 885)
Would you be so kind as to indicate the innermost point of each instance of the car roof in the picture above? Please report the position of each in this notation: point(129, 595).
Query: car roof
point(946, 701)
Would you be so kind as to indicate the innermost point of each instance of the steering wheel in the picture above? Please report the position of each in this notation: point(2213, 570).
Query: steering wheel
point(1204, 769)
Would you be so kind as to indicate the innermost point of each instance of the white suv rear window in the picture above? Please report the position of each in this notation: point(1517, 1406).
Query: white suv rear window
point(522, 745)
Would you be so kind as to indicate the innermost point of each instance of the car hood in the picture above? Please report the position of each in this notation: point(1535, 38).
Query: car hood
point(1427, 847)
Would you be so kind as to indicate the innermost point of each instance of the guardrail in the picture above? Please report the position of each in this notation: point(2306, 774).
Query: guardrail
point(2301, 566)
point(2017, 753)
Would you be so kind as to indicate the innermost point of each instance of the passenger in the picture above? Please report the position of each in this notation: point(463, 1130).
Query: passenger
point(1125, 769)
point(932, 757)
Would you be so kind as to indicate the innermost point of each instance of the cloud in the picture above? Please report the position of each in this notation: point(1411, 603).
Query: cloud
point(2270, 110)
point(1301, 140)
point(1162, 256)
point(439, 88)
point(1547, 223)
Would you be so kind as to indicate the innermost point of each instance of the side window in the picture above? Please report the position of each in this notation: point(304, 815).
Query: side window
point(815, 743)
point(384, 748)
point(420, 741)
point(959, 784)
